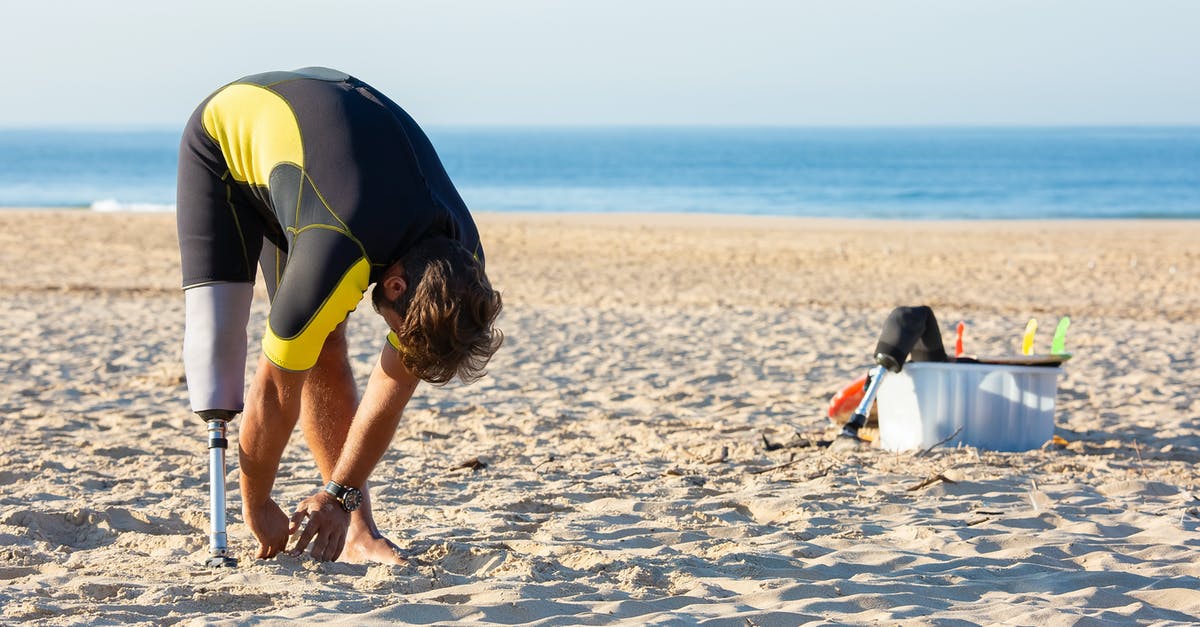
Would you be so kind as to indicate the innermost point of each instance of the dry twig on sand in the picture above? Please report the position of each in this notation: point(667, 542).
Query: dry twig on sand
point(949, 476)
point(1141, 465)
point(925, 452)
point(810, 476)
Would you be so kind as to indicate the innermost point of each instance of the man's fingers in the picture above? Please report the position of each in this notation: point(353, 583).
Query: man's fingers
point(295, 523)
point(306, 536)
point(267, 551)
point(296, 519)
point(300, 514)
point(340, 545)
point(324, 531)
point(320, 545)
point(279, 546)
point(328, 544)
point(334, 547)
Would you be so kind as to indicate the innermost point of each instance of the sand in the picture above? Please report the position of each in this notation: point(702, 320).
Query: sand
point(622, 432)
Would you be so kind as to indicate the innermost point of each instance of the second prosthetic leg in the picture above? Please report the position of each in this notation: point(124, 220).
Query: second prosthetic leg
point(908, 330)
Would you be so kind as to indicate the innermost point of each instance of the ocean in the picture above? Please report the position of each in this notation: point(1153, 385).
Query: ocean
point(902, 173)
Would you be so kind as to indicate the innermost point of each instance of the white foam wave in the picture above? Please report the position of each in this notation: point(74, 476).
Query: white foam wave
point(111, 204)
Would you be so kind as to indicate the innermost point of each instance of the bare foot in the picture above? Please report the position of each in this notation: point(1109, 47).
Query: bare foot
point(372, 548)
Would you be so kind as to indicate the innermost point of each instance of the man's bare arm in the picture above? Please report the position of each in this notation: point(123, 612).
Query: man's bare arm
point(272, 408)
point(388, 391)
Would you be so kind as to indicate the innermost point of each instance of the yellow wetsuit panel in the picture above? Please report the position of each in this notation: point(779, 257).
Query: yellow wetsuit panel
point(256, 130)
point(300, 352)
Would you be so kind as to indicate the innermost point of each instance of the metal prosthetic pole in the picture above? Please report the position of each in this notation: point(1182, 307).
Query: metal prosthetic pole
point(218, 543)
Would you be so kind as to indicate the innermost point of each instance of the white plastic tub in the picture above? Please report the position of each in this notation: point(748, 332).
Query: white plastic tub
point(1000, 408)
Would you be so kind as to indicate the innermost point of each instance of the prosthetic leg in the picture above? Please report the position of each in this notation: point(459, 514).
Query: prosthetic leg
point(907, 330)
point(214, 359)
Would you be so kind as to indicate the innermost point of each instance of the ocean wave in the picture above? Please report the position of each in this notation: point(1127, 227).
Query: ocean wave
point(110, 205)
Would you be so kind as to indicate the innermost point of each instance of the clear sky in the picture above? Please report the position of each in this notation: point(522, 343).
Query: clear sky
point(618, 62)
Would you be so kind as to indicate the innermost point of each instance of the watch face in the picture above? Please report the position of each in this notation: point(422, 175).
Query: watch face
point(351, 499)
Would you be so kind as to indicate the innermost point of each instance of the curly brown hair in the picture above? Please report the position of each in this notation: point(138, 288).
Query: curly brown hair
point(448, 311)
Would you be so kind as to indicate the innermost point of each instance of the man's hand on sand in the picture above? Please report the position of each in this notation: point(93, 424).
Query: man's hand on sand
point(270, 526)
point(326, 527)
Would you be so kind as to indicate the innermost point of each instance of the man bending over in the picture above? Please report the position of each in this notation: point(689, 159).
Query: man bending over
point(329, 187)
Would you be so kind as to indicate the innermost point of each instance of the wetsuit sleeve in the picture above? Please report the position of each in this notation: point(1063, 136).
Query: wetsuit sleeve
point(323, 282)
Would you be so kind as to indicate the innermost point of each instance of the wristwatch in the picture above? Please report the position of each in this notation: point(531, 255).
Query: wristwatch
point(349, 498)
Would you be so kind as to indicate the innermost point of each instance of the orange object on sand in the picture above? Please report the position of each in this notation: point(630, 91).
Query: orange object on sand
point(843, 404)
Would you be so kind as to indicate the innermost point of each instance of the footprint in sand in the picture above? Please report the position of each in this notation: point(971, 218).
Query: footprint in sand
point(83, 528)
point(119, 452)
point(1137, 488)
point(16, 572)
point(535, 506)
point(78, 528)
point(100, 592)
point(141, 522)
point(471, 561)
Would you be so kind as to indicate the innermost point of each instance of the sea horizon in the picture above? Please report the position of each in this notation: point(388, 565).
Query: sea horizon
point(968, 172)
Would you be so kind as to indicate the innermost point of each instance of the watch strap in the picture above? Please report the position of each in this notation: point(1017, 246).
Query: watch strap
point(349, 498)
point(336, 489)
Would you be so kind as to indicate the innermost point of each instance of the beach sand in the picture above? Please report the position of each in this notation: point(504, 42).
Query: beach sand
point(620, 439)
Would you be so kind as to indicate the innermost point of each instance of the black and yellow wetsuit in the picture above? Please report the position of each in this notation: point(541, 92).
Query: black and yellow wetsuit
point(320, 179)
